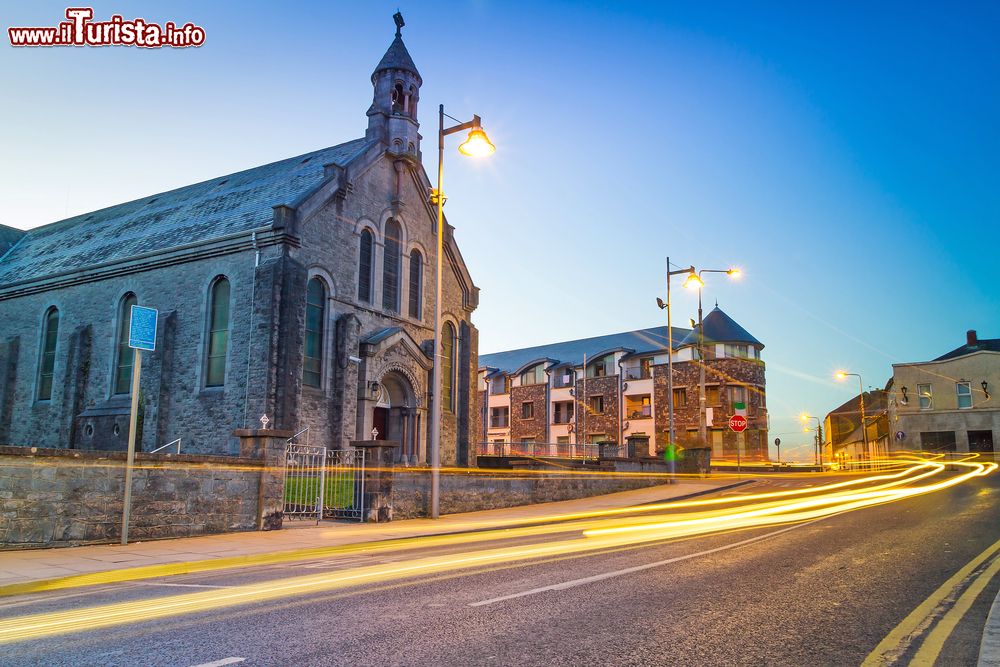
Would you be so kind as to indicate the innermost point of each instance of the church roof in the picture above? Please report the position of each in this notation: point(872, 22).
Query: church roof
point(396, 57)
point(720, 328)
point(571, 352)
point(8, 237)
point(196, 213)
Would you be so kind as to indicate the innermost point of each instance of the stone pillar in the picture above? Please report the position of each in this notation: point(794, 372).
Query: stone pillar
point(269, 447)
point(379, 455)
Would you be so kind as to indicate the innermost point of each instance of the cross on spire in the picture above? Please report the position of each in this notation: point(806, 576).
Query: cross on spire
point(398, 19)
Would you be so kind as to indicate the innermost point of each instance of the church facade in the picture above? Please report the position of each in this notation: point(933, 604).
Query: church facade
point(302, 290)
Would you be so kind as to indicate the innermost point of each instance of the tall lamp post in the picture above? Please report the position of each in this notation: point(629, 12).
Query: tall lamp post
point(476, 145)
point(805, 416)
point(842, 375)
point(691, 280)
point(702, 414)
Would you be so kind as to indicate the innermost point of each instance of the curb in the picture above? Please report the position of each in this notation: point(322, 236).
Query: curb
point(989, 649)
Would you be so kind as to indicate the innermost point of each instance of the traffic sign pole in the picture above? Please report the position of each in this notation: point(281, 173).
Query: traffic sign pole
point(133, 426)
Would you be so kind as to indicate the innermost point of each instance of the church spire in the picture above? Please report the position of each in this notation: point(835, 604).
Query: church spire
point(392, 116)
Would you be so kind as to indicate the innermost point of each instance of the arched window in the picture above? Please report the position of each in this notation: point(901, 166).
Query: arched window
point(47, 359)
point(126, 355)
point(390, 266)
point(416, 286)
point(365, 266)
point(447, 366)
point(218, 334)
point(312, 361)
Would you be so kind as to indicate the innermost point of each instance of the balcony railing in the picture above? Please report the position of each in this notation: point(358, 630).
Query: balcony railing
point(499, 422)
point(640, 412)
point(638, 373)
point(540, 449)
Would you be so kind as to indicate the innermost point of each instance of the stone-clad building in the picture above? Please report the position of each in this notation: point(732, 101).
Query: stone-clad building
point(614, 389)
point(301, 289)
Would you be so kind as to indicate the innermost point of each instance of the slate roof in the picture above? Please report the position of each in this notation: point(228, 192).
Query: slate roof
point(204, 211)
point(396, 57)
point(8, 237)
point(640, 341)
point(987, 344)
point(720, 328)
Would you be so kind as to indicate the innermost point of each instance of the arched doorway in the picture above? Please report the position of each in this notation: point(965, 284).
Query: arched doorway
point(396, 418)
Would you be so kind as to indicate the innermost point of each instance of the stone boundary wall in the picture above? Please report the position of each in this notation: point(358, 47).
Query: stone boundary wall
point(59, 497)
point(486, 489)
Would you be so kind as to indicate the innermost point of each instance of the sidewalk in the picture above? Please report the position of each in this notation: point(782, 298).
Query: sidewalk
point(25, 571)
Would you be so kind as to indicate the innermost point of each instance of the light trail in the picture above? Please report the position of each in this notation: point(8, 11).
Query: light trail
point(598, 535)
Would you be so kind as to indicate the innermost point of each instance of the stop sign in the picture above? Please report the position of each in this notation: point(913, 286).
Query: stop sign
point(738, 423)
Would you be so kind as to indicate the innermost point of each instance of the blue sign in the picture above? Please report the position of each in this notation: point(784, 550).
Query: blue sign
point(142, 328)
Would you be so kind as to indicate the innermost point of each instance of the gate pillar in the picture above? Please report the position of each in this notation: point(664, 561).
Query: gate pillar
point(268, 445)
point(379, 457)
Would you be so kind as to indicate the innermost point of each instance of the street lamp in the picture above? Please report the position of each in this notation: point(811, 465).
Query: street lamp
point(476, 145)
point(734, 273)
point(842, 375)
point(805, 416)
point(692, 278)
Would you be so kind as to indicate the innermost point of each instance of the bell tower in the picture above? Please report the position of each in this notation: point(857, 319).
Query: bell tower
point(392, 117)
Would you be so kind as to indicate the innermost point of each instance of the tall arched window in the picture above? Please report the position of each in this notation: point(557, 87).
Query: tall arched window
point(416, 286)
point(312, 361)
point(126, 355)
point(390, 266)
point(365, 266)
point(47, 359)
point(448, 366)
point(218, 334)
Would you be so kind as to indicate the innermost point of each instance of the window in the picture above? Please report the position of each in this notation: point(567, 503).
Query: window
point(528, 410)
point(390, 266)
point(737, 395)
point(737, 351)
point(563, 378)
point(563, 412)
point(926, 395)
point(365, 266)
point(712, 395)
point(527, 441)
point(562, 440)
point(680, 397)
point(447, 365)
point(596, 438)
point(599, 368)
point(47, 360)
point(312, 355)
point(500, 385)
point(218, 334)
point(123, 365)
point(596, 404)
point(416, 289)
point(938, 441)
point(964, 394)
point(534, 375)
point(638, 407)
point(499, 417)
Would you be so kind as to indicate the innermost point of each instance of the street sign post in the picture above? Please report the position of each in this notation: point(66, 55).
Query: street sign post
point(777, 444)
point(141, 336)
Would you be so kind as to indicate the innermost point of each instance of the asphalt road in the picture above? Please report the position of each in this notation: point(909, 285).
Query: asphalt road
point(821, 593)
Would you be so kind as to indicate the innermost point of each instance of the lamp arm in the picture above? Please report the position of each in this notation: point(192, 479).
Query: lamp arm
point(474, 123)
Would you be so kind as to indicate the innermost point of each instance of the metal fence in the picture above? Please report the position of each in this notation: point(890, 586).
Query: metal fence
point(561, 450)
point(322, 483)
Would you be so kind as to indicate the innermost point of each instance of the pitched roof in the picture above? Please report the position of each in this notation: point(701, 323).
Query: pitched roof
point(983, 344)
point(204, 211)
point(396, 57)
point(720, 328)
point(571, 352)
point(8, 237)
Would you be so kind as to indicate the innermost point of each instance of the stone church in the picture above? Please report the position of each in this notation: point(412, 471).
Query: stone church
point(302, 290)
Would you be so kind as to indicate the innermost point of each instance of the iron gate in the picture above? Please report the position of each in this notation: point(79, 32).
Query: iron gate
point(324, 483)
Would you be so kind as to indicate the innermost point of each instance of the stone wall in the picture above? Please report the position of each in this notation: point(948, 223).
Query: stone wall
point(474, 490)
point(534, 426)
point(590, 422)
point(55, 497)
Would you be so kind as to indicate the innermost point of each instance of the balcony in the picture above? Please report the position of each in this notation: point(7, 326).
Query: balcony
point(638, 373)
point(639, 412)
point(500, 422)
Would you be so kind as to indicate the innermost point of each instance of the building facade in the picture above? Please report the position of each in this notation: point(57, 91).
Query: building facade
point(613, 389)
point(302, 290)
point(948, 404)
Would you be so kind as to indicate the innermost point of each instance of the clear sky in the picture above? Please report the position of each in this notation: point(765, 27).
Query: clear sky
point(846, 156)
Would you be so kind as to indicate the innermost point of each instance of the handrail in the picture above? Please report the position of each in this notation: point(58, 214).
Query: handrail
point(172, 442)
point(305, 430)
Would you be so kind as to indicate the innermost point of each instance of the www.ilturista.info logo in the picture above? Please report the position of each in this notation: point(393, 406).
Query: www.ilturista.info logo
point(81, 30)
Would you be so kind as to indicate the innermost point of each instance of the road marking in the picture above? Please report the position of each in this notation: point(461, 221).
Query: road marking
point(638, 568)
point(900, 638)
point(155, 583)
point(220, 663)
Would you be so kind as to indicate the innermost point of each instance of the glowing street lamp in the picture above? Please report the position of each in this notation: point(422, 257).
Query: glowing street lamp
point(477, 144)
point(843, 375)
point(805, 417)
point(697, 281)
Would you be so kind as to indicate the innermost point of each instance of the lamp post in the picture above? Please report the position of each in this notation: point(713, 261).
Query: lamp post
point(476, 145)
point(819, 437)
point(691, 279)
point(842, 375)
point(702, 414)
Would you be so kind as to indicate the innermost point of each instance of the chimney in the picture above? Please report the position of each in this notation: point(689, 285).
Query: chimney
point(970, 338)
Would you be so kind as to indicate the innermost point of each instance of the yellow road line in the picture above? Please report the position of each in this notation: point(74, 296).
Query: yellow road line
point(931, 648)
point(898, 639)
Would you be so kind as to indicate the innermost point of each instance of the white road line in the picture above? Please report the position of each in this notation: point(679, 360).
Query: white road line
point(220, 663)
point(154, 583)
point(639, 568)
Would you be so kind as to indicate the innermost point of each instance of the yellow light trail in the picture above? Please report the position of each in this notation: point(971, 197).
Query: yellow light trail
point(598, 534)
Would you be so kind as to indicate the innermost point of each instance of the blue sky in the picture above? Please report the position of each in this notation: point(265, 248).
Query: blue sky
point(844, 155)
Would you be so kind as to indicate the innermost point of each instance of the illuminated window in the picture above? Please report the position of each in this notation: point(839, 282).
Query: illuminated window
point(125, 355)
point(963, 391)
point(312, 348)
point(218, 334)
point(680, 397)
point(47, 360)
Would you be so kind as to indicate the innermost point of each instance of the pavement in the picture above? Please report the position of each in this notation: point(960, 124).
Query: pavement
point(24, 571)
